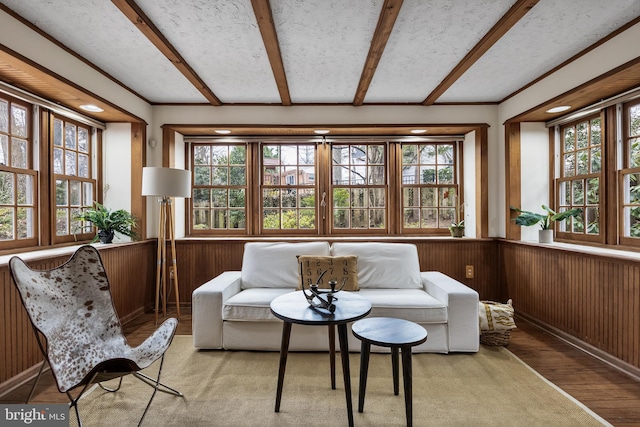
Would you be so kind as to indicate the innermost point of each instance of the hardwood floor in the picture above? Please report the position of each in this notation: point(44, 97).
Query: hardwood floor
point(609, 393)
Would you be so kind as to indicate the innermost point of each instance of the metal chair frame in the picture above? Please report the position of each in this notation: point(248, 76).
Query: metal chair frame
point(100, 372)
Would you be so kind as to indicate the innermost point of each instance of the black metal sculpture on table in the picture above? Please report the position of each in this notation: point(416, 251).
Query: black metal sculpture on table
point(323, 298)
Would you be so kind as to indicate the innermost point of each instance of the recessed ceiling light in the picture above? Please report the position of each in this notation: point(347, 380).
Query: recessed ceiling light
point(222, 131)
point(559, 109)
point(418, 130)
point(321, 131)
point(92, 108)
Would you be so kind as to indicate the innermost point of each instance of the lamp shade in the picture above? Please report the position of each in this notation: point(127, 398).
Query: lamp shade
point(166, 182)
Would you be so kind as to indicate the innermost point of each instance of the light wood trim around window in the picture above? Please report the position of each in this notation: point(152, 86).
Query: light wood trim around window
point(138, 160)
point(512, 178)
point(44, 180)
point(610, 177)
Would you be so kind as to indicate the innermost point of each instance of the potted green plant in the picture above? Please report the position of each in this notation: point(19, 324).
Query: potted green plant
point(109, 222)
point(457, 228)
point(545, 220)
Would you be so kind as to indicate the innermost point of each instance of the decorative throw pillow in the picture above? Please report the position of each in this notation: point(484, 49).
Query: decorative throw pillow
point(336, 268)
point(496, 317)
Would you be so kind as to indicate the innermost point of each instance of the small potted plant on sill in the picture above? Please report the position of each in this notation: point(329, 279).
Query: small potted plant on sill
point(109, 222)
point(546, 220)
point(457, 229)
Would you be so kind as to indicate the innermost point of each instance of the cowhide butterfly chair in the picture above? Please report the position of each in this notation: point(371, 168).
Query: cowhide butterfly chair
point(78, 329)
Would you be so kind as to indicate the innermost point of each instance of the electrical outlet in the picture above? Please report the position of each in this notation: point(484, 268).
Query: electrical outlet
point(469, 272)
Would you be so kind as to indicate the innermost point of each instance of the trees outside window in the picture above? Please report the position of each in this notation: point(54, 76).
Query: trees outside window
point(579, 185)
point(73, 178)
point(630, 175)
point(18, 216)
point(359, 187)
point(430, 196)
point(340, 188)
point(288, 187)
point(219, 194)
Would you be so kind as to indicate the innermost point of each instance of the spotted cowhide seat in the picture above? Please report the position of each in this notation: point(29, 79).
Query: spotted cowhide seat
point(71, 306)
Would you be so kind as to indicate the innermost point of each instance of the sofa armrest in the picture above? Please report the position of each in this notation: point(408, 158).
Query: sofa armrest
point(206, 306)
point(462, 308)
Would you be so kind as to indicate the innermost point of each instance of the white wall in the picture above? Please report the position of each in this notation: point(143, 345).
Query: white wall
point(116, 158)
point(534, 177)
point(469, 159)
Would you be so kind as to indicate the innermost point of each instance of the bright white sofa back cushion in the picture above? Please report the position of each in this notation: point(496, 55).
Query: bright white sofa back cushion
point(275, 264)
point(383, 265)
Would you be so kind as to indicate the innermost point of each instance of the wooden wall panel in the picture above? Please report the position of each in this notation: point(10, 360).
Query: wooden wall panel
point(594, 298)
point(130, 268)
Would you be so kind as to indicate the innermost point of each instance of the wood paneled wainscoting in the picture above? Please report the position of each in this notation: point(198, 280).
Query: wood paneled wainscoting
point(131, 271)
point(200, 260)
point(589, 299)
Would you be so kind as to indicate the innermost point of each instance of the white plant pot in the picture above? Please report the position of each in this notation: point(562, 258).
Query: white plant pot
point(545, 236)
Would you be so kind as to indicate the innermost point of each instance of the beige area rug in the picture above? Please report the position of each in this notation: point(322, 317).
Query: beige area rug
point(238, 388)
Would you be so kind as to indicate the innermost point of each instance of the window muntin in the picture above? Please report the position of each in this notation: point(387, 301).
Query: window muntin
point(429, 187)
point(73, 180)
point(359, 187)
point(288, 187)
point(581, 177)
point(630, 175)
point(219, 194)
point(18, 219)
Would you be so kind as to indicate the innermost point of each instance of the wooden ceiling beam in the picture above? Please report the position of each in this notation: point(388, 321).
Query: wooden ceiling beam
point(508, 20)
point(387, 20)
point(264, 16)
point(132, 11)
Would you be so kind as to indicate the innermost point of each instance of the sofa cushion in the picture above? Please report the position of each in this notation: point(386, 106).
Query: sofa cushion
point(338, 269)
point(252, 304)
point(410, 304)
point(383, 265)
point(275, 264)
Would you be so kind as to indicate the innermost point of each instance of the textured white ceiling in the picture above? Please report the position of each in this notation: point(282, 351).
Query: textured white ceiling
point(428, 40)
point(324, 45)
point(100, 33)
point(222, 43)
point(551, 33)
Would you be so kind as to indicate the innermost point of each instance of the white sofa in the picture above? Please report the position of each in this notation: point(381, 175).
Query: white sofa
point(232, 310)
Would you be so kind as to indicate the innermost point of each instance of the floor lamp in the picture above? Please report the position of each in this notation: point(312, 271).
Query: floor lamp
point(166, 183)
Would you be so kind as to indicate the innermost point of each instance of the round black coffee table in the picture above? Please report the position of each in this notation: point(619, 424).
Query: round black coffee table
point(396, 334)
point(294, 308)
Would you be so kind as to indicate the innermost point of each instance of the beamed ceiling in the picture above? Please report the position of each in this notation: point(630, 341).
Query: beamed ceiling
point(319, 52)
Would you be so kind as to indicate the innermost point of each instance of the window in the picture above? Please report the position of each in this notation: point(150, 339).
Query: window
point(74, 182)
point(288, 187)
point(219, 187)
point(341, 188)
point(359, 187)
point(581, 148)
point(630, 175)
point(429, 187)
point(18, 216)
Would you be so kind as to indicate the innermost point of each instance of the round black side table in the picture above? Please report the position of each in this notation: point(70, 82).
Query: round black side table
point(294, 308)
point(397, 334)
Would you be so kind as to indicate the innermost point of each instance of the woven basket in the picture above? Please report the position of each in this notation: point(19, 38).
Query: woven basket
point(495, 338)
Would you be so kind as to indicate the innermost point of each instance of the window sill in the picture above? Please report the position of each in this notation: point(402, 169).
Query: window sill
point(621, 253)
point(34, 255)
